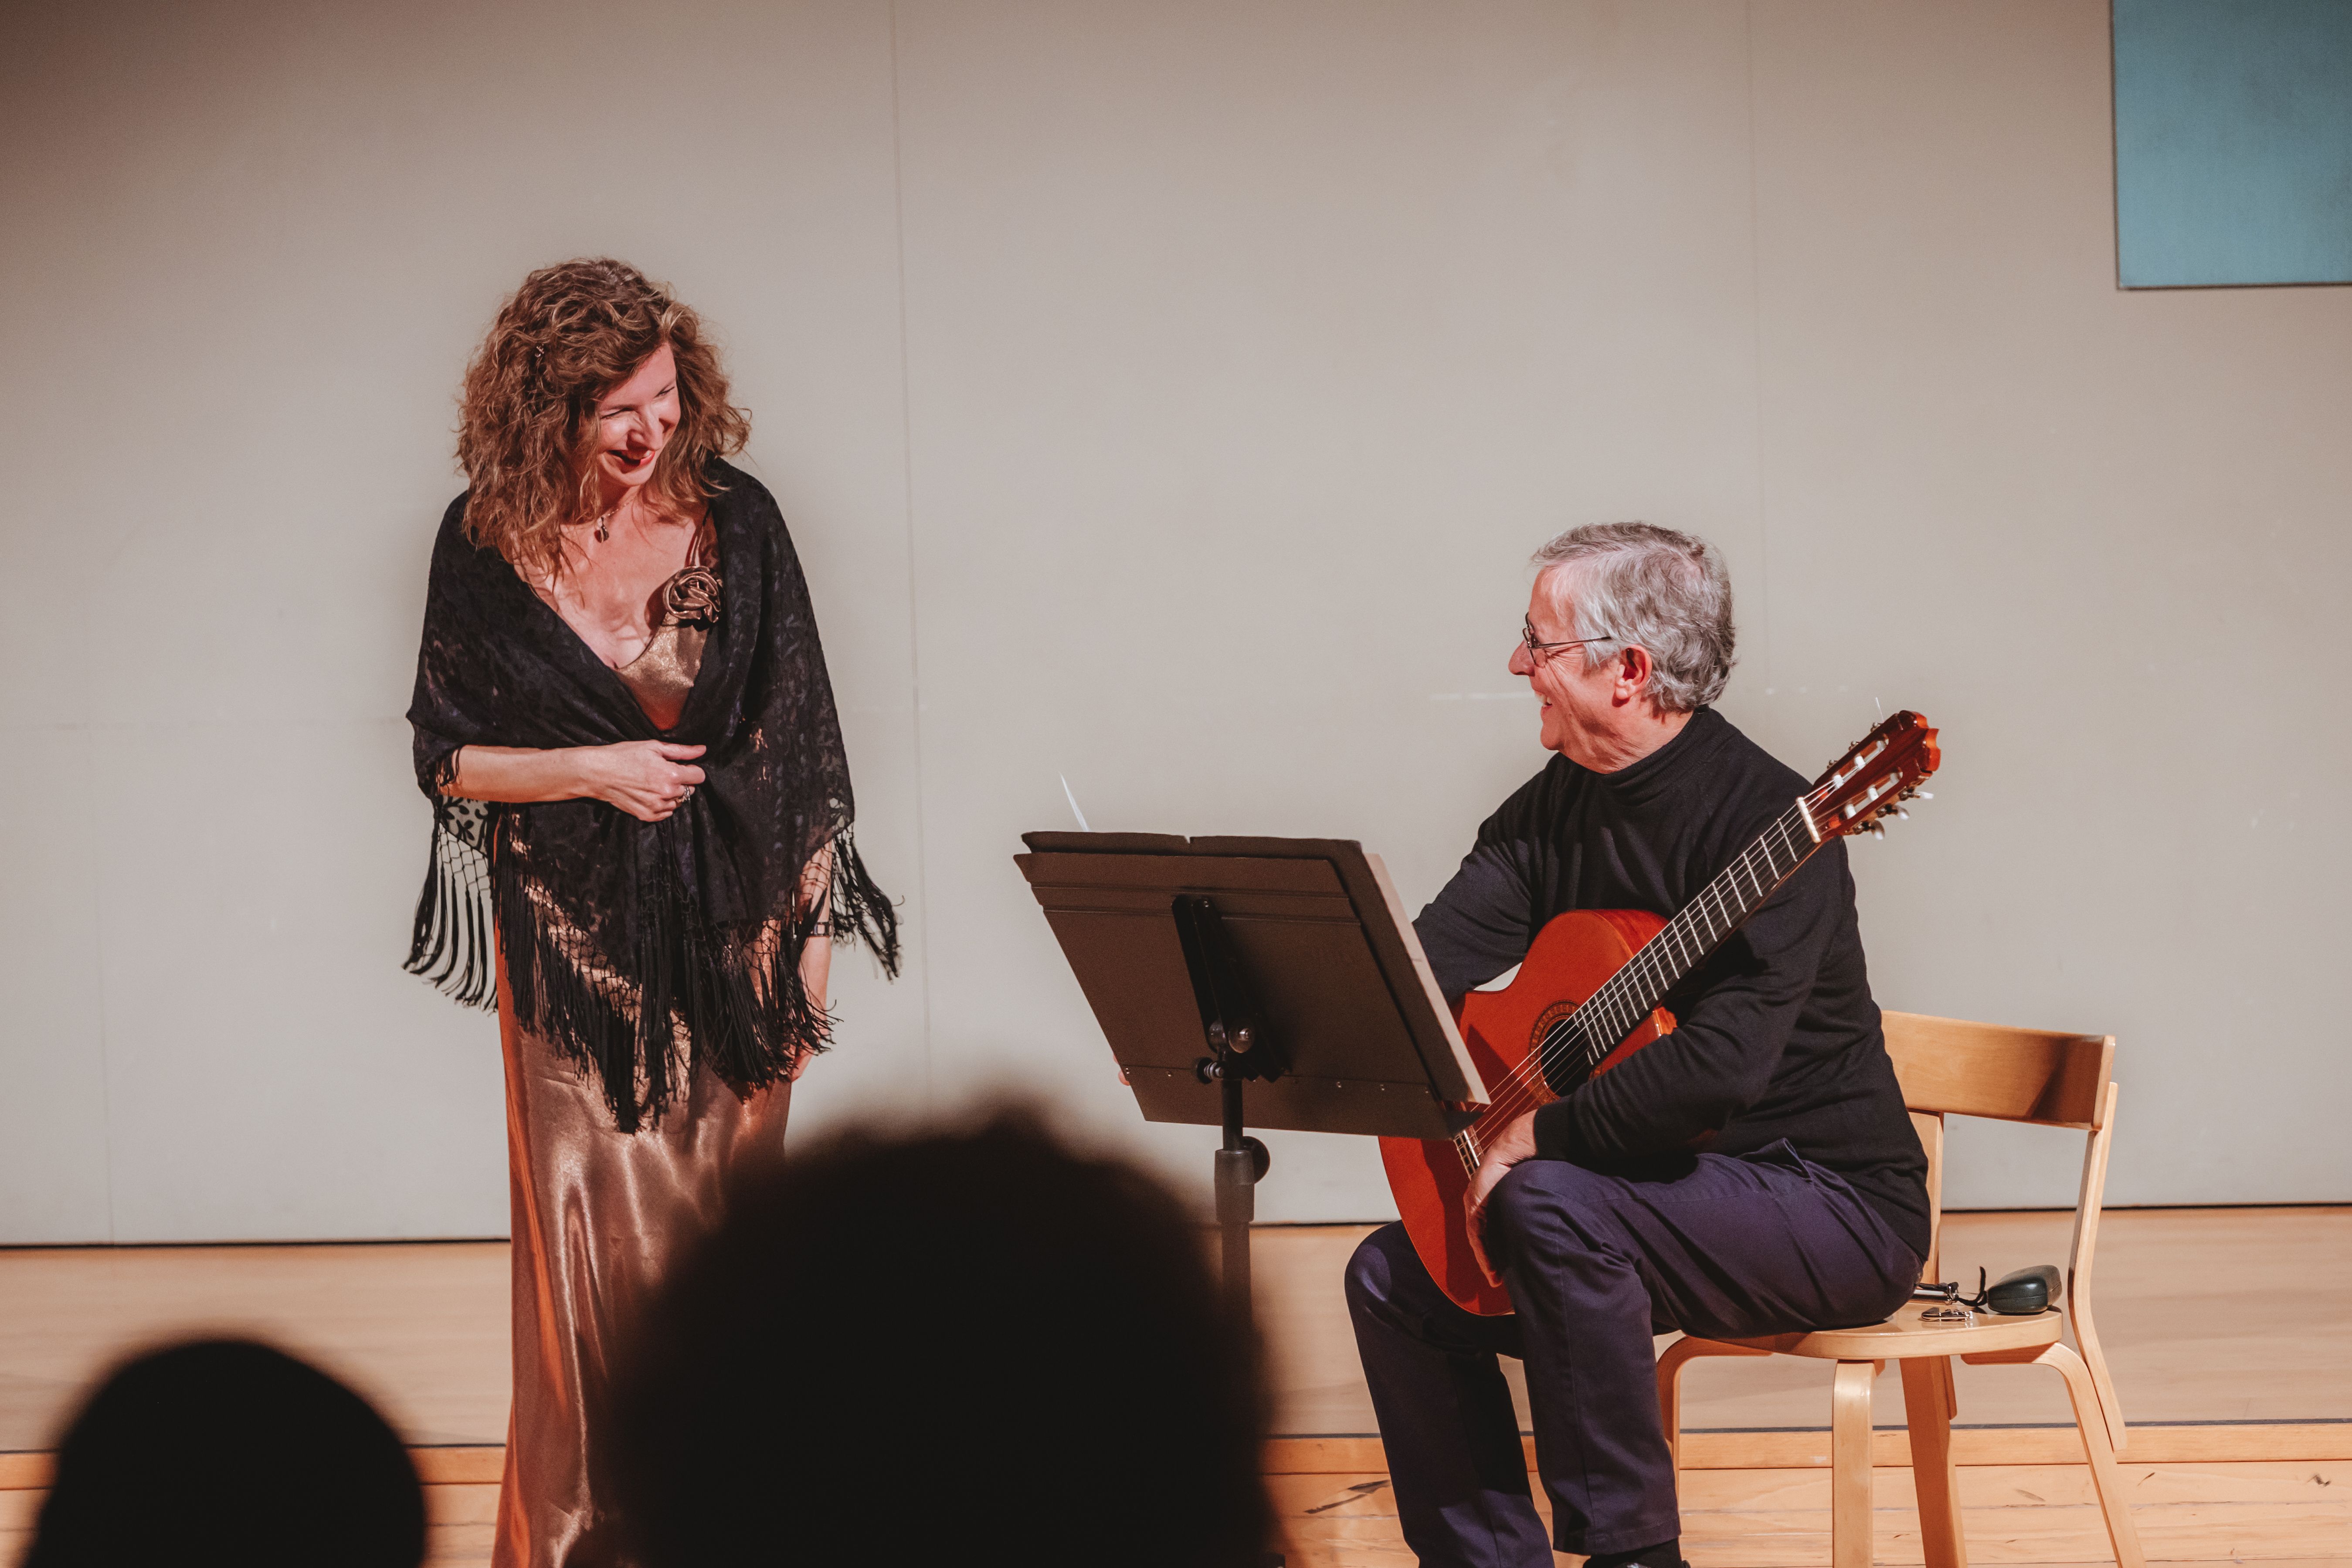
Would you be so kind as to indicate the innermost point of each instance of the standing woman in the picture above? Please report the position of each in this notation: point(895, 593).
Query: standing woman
point(641, 844)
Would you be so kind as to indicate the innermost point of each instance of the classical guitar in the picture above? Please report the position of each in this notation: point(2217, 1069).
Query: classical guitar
point(1587, 994)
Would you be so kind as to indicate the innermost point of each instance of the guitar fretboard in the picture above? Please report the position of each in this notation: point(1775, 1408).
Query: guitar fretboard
point(1578, 1043)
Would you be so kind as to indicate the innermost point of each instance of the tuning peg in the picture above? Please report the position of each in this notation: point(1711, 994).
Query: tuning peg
point(1923, 794)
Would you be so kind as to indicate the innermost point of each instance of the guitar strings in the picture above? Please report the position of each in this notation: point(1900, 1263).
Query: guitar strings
point(1614, 1010)
point(1623, 1003)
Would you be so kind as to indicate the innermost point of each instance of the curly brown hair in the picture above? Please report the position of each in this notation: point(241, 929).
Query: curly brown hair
point(527, 420)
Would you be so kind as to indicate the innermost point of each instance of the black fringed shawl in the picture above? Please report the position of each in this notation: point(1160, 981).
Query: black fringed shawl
point(622, 938)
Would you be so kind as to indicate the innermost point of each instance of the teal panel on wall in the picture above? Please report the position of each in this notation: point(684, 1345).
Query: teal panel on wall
point(2233, 142)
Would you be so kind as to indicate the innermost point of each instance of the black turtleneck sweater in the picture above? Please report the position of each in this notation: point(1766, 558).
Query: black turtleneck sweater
point(1775, 1035)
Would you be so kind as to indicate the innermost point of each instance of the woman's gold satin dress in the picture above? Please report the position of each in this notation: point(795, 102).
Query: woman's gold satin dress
point(599, 1215)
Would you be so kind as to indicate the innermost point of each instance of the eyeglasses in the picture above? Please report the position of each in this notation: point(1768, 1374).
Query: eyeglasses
point(1538, 652)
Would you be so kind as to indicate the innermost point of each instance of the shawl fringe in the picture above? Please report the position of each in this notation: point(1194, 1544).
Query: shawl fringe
point(734, 993)
point(450, 946)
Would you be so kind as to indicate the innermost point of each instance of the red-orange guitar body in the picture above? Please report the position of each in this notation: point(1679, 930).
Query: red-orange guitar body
point(1569, 961)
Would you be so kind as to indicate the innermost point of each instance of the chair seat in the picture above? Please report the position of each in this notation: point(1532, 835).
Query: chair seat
point(1907, 1334)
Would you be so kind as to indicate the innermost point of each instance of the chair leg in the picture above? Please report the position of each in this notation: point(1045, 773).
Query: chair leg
point(1929, 1413)
point(2091, 1420)
point(1850, 1486)
point(1679, 1355)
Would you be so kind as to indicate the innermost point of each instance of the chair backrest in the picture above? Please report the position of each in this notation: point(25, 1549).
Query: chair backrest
point(1950, 1067)
point(1953, 1067)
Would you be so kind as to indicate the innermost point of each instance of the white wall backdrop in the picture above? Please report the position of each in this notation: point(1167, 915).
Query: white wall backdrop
point(1164, 397)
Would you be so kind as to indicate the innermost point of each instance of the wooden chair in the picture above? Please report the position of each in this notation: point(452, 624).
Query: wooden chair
point(1948, 1068)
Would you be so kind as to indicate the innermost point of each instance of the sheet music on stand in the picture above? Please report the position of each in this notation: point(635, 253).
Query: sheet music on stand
point(1283, 964)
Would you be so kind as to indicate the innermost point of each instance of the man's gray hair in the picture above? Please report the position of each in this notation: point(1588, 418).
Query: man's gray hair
point(1636, 584)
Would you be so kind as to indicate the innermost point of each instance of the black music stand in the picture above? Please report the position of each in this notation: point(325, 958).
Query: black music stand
point(1289, 959)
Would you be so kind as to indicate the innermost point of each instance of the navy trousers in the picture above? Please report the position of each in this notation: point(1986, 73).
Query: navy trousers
point(1595, 1263)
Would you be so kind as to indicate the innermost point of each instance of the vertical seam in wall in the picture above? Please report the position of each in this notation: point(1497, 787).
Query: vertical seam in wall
point(906, 480)
point(1755, 331)
point(105, 1057)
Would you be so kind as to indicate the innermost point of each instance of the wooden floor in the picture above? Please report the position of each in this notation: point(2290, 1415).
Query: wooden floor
point(2230, 1332)
point(2273, 1514)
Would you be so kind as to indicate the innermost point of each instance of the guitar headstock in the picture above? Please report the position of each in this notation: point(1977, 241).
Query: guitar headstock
point(1870, 783)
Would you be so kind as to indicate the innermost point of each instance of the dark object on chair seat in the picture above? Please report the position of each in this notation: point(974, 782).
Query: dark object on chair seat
point(2023, 1293)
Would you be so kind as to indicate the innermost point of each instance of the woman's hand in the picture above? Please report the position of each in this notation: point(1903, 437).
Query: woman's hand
point(647, 779)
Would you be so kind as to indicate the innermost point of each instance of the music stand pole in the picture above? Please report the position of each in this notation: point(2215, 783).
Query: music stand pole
point(1239, 1164)
point(1238, 1050)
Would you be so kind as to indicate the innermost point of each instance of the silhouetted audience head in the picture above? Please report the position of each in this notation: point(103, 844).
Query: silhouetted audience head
point(974, 1345)
point(224, 1451)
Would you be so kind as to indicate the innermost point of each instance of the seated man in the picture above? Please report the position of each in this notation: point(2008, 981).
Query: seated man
point(1751, 1173)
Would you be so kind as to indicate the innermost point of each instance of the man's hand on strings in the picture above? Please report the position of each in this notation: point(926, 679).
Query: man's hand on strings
point(1515, 1143)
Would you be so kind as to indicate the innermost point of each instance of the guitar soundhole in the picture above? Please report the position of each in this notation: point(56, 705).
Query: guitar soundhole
point(1551, 1044)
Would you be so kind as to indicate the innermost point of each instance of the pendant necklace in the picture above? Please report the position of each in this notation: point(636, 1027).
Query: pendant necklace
point(605, 529)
